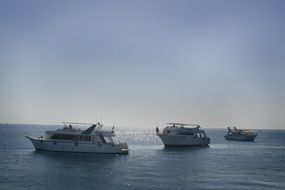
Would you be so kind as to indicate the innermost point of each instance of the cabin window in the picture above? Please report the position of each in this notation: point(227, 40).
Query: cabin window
point(84, 138)
point(71, 137)
point(109, 140)
point(96, 139)
point(186, 133)
point(63, 137)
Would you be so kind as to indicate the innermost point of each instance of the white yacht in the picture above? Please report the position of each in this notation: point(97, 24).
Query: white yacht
point(240, 134)
point(73, 139)
point(180, 134)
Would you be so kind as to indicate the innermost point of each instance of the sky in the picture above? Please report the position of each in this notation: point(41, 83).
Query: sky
point(140, 64)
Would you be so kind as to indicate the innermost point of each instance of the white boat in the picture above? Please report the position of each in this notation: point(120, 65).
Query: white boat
point(180, 134)
point(240, 134)
point(72, 139)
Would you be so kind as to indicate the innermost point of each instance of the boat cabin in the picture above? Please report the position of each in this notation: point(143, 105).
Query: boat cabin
point(92, 134)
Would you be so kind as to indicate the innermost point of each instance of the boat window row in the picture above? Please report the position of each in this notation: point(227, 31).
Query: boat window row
point(71, 137)
point(198, 135)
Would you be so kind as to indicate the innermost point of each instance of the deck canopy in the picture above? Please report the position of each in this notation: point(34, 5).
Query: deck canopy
point(74, 123)
point(183, 124)
point(87, 131)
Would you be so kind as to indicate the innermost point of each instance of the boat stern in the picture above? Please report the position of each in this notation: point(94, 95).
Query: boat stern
point(124, 148)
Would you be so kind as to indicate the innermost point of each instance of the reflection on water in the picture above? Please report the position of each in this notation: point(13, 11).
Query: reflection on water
point(184, 148)
point(70, 156)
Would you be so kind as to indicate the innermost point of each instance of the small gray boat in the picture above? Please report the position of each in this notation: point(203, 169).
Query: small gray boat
point(240, 134)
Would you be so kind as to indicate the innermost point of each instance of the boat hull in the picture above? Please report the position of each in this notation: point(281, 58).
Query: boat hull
point(82, 147)
point(240, 137)
point(181, 140)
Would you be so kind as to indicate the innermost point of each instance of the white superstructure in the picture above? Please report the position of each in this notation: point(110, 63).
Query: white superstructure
point(240, 134)
point(71, 139)
point(180, 134)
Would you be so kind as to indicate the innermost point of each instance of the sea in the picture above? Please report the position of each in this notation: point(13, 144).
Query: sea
point(222, 165)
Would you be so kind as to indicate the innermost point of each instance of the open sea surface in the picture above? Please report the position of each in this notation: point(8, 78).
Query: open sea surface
point(222, 165)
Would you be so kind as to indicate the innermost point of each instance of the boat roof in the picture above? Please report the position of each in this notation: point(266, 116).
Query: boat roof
point(89, 130)
point(183, 124)
point(76, 123)
point(80, 132)
point(236, 129)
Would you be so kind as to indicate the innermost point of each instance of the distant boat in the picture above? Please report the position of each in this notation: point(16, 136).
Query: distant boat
point(240, 134)
point(71, 139)
point(180, 134)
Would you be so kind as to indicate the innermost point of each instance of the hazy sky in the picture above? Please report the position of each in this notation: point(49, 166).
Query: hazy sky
point(143, 63)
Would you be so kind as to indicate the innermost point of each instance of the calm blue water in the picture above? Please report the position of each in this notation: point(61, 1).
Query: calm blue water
point(222, 165)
